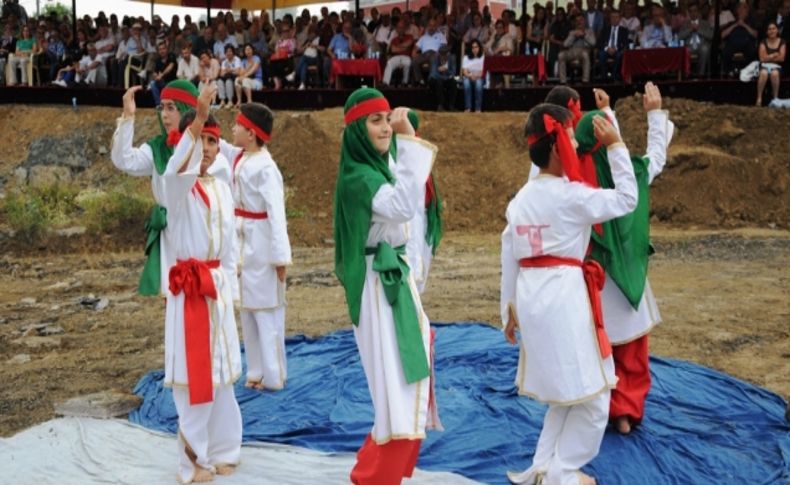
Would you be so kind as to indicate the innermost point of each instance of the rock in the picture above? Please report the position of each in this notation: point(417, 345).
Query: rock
point(29, 301)
point(107, 404)
point(20, 175)
point(36, 342)
point(72, 151)
point(71, 231)
point(103, 150)
point(45, 175)
point(102, 304)
point(51, 330)
point(19, 359)
point(329, 241)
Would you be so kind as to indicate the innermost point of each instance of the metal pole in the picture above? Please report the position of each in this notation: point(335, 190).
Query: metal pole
point(152, 11)
point(274, 11)
point(523, 8)
point(356, 8)
point(714, 48)
point(208, 13)
point(38, 8)
point(74, 18)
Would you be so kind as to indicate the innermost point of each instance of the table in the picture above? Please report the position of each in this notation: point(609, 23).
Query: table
point(652, 61)
point(355, 67)
point(535, 65)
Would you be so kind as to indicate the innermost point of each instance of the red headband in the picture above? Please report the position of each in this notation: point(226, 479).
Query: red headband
point(179, 95)
point(212, 130)
point(365, 108)
point(574, 105)
point(247, 123)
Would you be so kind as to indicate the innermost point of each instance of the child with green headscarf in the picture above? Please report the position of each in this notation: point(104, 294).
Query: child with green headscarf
point(375, 198)
point(622, 246)
point(150, 160)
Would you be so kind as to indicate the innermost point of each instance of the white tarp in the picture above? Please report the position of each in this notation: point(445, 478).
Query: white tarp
point(85, 451)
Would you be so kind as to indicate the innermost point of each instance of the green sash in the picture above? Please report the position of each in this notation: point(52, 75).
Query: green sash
point(394, 275)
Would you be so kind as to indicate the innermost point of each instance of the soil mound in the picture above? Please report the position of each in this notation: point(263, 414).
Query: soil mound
point(727, 165)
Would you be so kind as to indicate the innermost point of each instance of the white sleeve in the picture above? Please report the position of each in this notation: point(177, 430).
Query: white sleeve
point(509, 276)
point(220, 169)
point(229, 151)
point(133, 161)
point(400, 202)
point(229, 258)
point(591, 206)
point(177, 183)
point(610, 113)
point(274, 197)
point(659, 134)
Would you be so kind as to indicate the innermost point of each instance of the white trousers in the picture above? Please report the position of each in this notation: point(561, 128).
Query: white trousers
point(21, 64)
point(571, 437)
point(225, 89)
point(397, 62)
point(211, 431)
point(264, 345)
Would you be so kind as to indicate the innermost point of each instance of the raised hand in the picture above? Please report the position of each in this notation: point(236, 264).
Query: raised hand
point(605, 132)
point(652, 97)
point(399, 121)
point(204, 102)
point(601, 98)
point(129, 106)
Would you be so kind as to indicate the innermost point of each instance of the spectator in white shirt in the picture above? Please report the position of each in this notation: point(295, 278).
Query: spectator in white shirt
point(472, 72)
point(209, 71)
point(229, 69)
point(188, 65)
point(223, 39)
point(657, 33)
point(91, 69)
point(426, 50)
point(631, 22)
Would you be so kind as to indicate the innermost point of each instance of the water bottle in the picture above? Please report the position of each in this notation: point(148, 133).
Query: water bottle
point(74, 103)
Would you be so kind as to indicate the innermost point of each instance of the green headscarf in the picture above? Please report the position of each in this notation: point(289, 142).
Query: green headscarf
point(623, 248)
point(434, 231)
point(162, 152)
point(151, 278)
point(363, 170)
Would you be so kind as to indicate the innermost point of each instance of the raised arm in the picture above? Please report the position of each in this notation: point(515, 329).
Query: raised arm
point(399, 202)
point(589, 205)
point(133, 161)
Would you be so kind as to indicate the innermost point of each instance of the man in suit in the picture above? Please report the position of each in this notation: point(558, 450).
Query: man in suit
point(594, 18)
point(611, 44)
point(697, 34)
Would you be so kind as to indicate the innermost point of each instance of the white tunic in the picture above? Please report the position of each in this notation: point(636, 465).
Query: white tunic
point(401, 409)
point(263, 243)
point(418, 250)
point(204, 233)
point(559, 361)
point(623, 323)
point(139, 162)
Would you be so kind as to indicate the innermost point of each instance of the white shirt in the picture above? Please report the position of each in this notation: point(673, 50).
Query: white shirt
point(473, 65)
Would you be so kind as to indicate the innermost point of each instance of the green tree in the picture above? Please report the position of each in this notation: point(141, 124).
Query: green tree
point(55, 7)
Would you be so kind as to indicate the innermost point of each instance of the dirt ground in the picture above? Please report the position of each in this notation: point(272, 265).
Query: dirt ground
point(723, 299)
point(721, 227)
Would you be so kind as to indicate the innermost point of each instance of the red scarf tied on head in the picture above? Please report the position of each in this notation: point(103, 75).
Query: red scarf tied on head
point(575, 107)
point(570, 162)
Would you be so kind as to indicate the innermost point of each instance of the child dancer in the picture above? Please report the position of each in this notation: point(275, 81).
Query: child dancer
point(265, 250)
point(375, 199)
point(202, 356)
point(565, 356)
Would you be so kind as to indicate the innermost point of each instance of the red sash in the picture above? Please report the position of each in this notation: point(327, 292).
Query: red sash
point(193, 277)
point(251, 215)
point(594, 278)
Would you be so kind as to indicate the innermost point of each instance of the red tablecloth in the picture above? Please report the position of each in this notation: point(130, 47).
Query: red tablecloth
point(652, 61)
point(356, 67)
point(516, 65)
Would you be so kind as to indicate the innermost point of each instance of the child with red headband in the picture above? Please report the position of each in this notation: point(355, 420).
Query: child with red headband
point(202, 355)
point(265, 250)
point(552, 295)
point(375, 198)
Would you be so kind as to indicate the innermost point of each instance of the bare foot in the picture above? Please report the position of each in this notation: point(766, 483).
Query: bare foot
point(623, 425)
point(202, 475)
point(585, 479)
point(759, 102)
point(225, 469)
point(259, 386)
point(250, 384)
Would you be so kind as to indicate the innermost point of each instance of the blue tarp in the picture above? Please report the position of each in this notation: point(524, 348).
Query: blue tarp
point(701, 426)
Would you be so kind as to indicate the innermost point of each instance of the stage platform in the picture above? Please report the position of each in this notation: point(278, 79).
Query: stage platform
point(513, 99)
